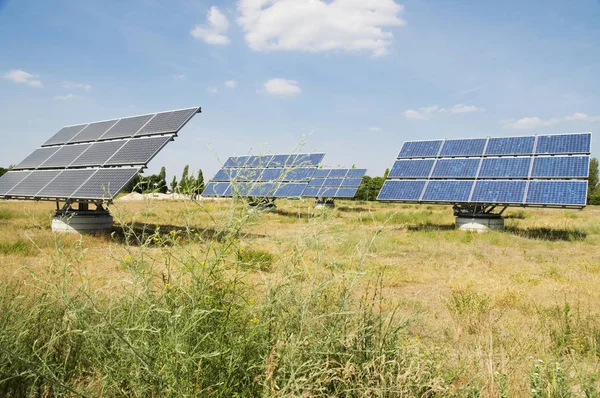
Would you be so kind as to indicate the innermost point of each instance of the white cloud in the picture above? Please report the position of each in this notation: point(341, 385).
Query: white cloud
point(282, 87)
point(76, 86)
point(212, 89)
point(20, 76)
point(529, 123)
point(179, 77)
point(431, 111)
point(231, 84)
point(66, 97)
point(214, 31)
point(374, 129)
point(319, 25)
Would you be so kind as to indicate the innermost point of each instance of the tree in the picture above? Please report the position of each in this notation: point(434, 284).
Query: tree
point(594, 183)
point(200, 181)
point(183, 182)
point(3, 171)
point(174, 184)
point(386, 173)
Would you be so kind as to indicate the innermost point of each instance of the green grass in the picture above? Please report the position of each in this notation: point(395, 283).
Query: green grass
point(21, 247)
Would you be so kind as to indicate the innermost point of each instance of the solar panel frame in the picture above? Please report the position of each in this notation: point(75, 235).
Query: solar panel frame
point(532, 190)
point(572, 143)
point(561, 166)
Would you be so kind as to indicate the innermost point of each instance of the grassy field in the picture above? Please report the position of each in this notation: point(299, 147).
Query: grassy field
point(205, 298)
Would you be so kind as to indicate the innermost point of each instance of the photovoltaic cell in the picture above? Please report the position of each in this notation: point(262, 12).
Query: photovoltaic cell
point(10, 179)
point(299, 174)
point(258, 161)
point(64, 135)
point(138, 151)
point(248, 174)
point(126, 127)
point(106, 183)
point(333, 182)
point(216, 189)
point(98, 153)
point(290, 190)
point(312, 159)
point(557, 192)
point(498, 191)
point(416, 149)
point(93, 131)
point(281, 160)
point(351, 182)
point(64, 156)
point(311, 192)
point(242, 188)
point(38, 157)
point(356, 173)
point(338, 173)
point(510, 146)
point(564, 144)
point(327, 192)
point(448, 191)
point(469, 147)
point(509, 167)
point(66, 183)
point(414, 168)
point(32, 184)
point(346, 192)
point(236, 161)
point(561, 166)
point(263, 190)
point(316, 182)
point(456, 168)
point(403, 190)
point(321, 173)
point(167, 122)
point(271, 174)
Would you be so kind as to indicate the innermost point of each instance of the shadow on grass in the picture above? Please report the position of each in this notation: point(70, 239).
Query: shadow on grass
point(353, 209)
point(137, 234)
point(294, 214)
point(431, 227)
point(548, 234)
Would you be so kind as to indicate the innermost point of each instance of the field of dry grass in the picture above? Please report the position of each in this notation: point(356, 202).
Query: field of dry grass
point(511, 313)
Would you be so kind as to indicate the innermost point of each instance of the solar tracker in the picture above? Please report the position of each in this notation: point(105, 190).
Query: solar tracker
point(264, 176)
point(92, 162)
point(334, 183)
point(540, 170)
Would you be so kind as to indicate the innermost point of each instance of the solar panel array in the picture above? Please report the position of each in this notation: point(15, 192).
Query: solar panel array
point(334, 183)
point(93, 161)
point(264, 176)
point(544, 170)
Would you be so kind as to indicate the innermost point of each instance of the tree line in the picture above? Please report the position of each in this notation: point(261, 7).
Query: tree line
point(368, 190)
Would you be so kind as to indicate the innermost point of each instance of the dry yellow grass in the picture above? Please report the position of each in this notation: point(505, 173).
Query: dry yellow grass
point(495, 302)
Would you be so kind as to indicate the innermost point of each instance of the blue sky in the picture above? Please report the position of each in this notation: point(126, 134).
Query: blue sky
point(355, 81)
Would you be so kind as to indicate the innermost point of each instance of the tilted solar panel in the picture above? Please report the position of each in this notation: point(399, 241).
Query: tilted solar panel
point(138, 151)
point(10, 179)
point(38, 157)
point(93, 131)
point(66, 183)
point(64, 156)
point(33, 183)
point(64, 135)
point(105, 184)
point(336, 183)
point(491, 171)
point(98, 153)
point(126, 127)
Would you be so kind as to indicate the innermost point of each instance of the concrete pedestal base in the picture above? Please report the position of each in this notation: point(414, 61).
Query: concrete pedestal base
point(479, 224)
point(325, 204)
point(82, 222)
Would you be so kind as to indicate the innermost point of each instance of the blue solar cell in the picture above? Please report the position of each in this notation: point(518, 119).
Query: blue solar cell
point(448, 191)
point(356, 173)
point(258, 161)
point(248, 174)
point(407, 190)
point(241, 188)
point(299, 174)
point(510, 146)
point(316, 182)
point(564, 143)
point(333, 182)
point(236, 161)
point(281, 160)
point(271, 174)
point(470, 147)
point(327, 192)
point(321, 173)
point(351, 182)
point(290, 190)
point(557, 193)
point(420, 149)
point(263, 190)
point(215, 189)
point(338, 173)
point(308, 159)
point(346, 192)
point(456, 168)
point(505, 167)
point(417, 168)
point(499, 191)
point(561, 166)
point(225, 175)
point(311, 192)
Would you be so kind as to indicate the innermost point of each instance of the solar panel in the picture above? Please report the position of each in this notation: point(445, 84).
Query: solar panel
point(470, 147)
point(10, 179)
point(33, 183)
point(561, 166)
point(456, 168)
point(236, 161)
point(138, 151)
point(258, 161)
point(106, 184)
point(299, 174)
point(499, 191)
point(66, 183)
point(271, 174)
point(489, 171)
point(64, 156)
point(290, 190)
point(338, 173)
point(216, 189)
point(64, 135)
point(93, 131)
point(339, 183)
point(58, 163)
point(38, 157)
point(263, 190)
point(321, 173)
